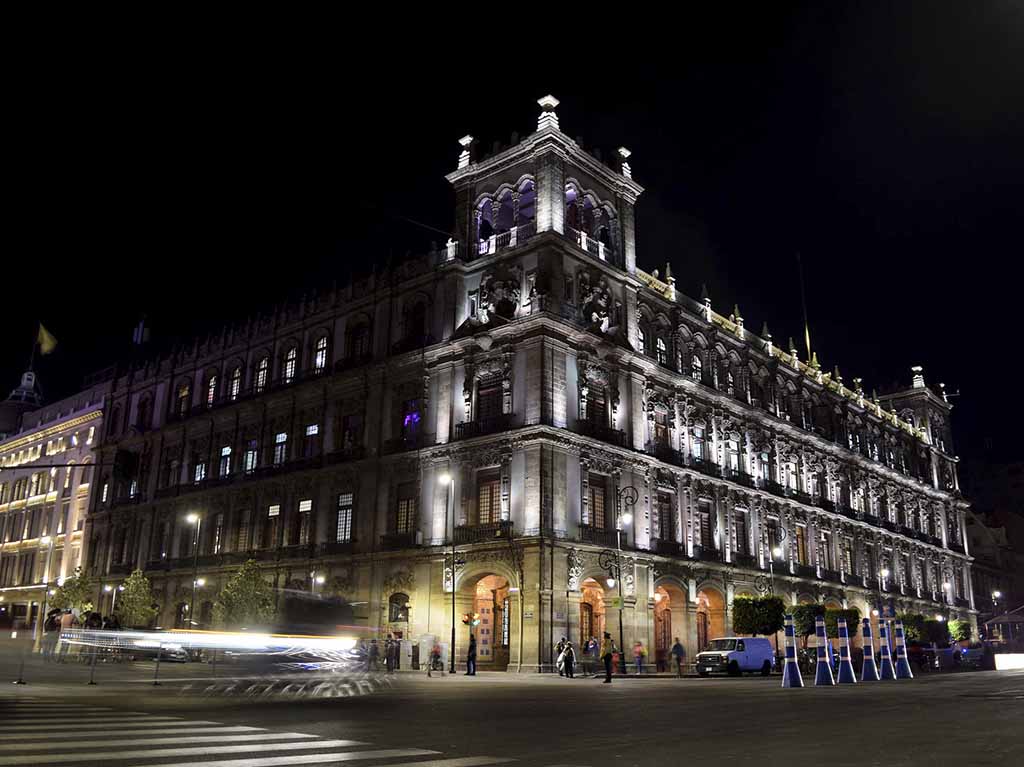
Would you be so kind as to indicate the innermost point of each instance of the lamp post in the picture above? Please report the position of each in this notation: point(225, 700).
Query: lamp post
point(194, 519)
point(449, 482)
point(611, 561)
point(48, 541)
point(314, 581)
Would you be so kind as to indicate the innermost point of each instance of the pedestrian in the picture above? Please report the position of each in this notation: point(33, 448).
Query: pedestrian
point(471, 657)
point(435, 659)
point(389, 654)
point(558, 656)
point(638, 656)
point(67, 622)
point(607, 650)
point(372, 656)
point(51, 633)
point(679, 654)
point(568, 659)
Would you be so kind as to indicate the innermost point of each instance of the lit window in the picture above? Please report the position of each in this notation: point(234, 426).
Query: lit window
point(249, 460)
point(92, 433)
point(343, 528)
point(662, 351)
point(199, 472)
point(211, 389)
point(274, 510)
point(410, 418)
point(641, 339)
point(280, 448)
point(696, 368)
point(184, 400)
point(262, 371)
point(290, 361)
point(489, 498)
point(320, 354)
point(225, 461)
point(104, 492)
point(312, 430)
point(235, 384)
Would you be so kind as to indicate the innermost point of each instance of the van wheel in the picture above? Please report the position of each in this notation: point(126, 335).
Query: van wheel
point(766, 669)
point(734, 668)
point(702, 673)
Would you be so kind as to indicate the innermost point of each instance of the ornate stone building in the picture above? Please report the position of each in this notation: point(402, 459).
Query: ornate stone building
point(46, 466)
point(535, 366)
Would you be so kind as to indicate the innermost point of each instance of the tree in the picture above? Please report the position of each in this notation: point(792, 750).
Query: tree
point(913, 627)
point(936, 632)
point(246, 599)
point(960, 630)
point(758, 615)
point(135, 606)
point(75, 593)
point(803, 619)
point(832, 616)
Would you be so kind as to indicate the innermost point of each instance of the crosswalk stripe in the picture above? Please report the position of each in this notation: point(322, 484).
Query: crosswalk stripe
point(83, 715)
point(90, 720)
point(47, 732)
point(459, 761)
point(62, 707)
point(279, 761)
point(106, 742)
point(68, 752)
point(125, 726)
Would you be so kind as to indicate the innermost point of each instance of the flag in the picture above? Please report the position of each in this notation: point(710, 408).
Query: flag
point(47, 343)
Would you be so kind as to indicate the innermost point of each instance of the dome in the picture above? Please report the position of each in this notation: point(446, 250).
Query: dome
point(21, 400)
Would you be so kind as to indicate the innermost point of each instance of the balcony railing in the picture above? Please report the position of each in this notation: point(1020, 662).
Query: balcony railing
point(848, 511)
point(744, 560)
point(707, 554)
point(484, 533)
point(704, 466)
point(411, 343)
point(393, 541)
point(601, 432)
point(741, 477)
point(510, 239)
point(824, 503)
point(774, 488)
point(802, 497)
point(589, 244)
point(831, 575)
point(961, 602)
point(597, 535)
point(667, 548)
point(403, 444)
point(336, 547)
point(668, 455)
point(482, 426)
point(354, 453)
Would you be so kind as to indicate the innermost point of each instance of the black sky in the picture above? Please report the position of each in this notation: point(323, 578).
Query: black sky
point(205, 175)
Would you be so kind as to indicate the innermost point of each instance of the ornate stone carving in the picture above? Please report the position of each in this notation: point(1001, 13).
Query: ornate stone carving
point(500, 291)
point(576, 567)
point(400, 581)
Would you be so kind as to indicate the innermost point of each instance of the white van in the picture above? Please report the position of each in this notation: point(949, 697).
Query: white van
point(734, 655)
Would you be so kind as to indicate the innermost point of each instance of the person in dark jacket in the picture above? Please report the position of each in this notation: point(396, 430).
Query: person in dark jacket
point(471, 657)
point(568, 659)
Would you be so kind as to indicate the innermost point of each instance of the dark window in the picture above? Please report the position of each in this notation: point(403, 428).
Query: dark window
point(488, 497)
point(405, 518)
point(666, 516)
point(739, 527)
point(597, 409)
point(351, 431)
point(488, 399)
point(707, 525)
point(359, 342)
point(595, 502)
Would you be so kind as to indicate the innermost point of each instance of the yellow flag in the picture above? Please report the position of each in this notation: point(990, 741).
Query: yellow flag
point(47, 343)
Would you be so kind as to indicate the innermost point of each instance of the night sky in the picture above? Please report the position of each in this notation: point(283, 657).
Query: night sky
point(884, 142)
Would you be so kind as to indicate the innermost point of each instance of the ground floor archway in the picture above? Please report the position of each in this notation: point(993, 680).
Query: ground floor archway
point(592, 612)
point(710, 616)
point(486, 598)
point(669, 622)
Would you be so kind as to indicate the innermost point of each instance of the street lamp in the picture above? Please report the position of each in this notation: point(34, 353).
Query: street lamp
point(449, 483)
point(194, 519)
point(611, 561)
point(314, 581)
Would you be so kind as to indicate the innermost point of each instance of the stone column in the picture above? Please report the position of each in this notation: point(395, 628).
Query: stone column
point(550, 191)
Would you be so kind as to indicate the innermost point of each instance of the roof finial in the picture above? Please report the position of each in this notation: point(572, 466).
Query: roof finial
point(624, 154)
point(465, 142)
point(671, 281)
point(548, 120)
point(705, 297)
point(918, 379)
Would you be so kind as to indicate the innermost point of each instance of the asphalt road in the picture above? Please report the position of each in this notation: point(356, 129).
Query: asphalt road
point(192, 719)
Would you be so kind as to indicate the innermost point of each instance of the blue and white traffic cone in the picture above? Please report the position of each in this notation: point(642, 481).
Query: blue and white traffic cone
point(846, 675)
point(902, 661)
point(823, 673)
point(869, 671)
point(791, 671)
point(887, 671)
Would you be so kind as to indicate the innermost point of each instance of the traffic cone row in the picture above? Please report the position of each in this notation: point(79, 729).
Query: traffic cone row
point(869, 673)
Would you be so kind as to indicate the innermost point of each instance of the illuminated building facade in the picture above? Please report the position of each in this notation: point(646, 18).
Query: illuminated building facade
point(534, 366)
point(46, 465)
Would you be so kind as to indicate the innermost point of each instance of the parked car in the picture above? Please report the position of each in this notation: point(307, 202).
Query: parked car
point(735, 655)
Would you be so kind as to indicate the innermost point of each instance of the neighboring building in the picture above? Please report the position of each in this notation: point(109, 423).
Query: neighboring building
point(535, 364)
point(46, 465)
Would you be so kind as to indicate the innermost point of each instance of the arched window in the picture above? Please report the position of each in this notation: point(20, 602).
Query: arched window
point(262, 373)
point(184, 400)
point(144, 417)
point(415, 322)
point(641, 339)
point(320, 354)
point(291, 359)
point(115, 420)
point(359, 341)
point(398, 608)
point(235, 383)
point(696, 368)
point(661, 351)
point(211, 389)
point(730, 383)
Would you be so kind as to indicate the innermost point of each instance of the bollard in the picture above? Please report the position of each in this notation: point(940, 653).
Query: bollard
point(846, 675)
point(156, 671)
point(823, 672)
point(791, 671)
point(21, 664)
point(886, 672)
point(215, 663)
point(902, 661)
point(869, 672)
point(92, 667)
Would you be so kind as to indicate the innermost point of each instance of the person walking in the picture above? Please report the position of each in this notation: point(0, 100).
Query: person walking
point(471, 657)
point(679, 654)
point(435, 660)
point(607, 650)
point(389, 654)
point(67, 622)
point(51, 633)
point(558, 656)
point(568, 660)
point(638, 656)
point(372, 656)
